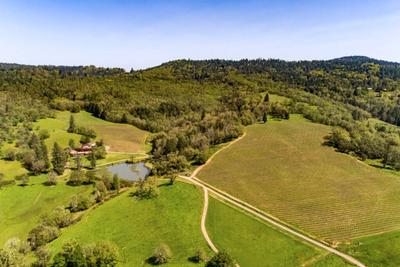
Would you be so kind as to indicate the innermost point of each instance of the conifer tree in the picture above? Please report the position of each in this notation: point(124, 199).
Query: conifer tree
point(59, 159)
point(72, 125)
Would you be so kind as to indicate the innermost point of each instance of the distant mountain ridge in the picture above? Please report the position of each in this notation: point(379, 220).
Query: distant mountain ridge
point(344, 59)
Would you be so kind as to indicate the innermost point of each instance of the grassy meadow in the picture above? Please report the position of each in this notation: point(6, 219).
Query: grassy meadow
point(119, 137)
point(10, 169)
point(21, 207)
point(137, 227)
point(256, 244)
point(377, 250)
point(283, 168)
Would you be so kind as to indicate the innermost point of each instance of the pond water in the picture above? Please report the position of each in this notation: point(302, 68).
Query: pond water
point(129, 171)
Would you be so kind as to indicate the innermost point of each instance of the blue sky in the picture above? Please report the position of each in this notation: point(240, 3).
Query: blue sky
point(141, 34)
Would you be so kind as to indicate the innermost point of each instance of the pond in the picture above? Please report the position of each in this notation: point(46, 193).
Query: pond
point(129, 171)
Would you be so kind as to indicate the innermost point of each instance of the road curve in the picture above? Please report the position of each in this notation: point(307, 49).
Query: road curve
point(203, 222)
point(265, 217)
point(198, 169)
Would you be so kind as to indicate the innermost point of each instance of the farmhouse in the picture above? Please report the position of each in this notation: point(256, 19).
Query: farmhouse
point(85, 149)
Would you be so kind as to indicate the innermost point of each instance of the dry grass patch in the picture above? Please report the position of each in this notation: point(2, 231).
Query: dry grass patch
point(283, 168)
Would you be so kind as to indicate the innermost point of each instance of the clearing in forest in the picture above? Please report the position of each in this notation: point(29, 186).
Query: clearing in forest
point(118, 136)
point(283, 168)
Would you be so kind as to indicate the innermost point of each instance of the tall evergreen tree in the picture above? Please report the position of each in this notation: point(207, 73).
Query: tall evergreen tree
point(78, 162)
point(72, 125)
point(59, 159)
point(92, 157)
point(265, 117)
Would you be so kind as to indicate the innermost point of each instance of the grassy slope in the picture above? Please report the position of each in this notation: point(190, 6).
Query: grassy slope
point(282, 168)
point(137, 227)
point(57, 128)
point(21, 207)
point(11, 168)
point(254, 243)
point(375, 251)
point(120, 137)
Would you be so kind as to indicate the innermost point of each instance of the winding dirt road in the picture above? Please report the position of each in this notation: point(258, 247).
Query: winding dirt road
point(203, 222)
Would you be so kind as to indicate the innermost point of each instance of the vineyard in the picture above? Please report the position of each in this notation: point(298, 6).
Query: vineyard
point(283, 168)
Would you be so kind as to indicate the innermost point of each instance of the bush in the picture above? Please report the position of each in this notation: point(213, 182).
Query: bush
point(80, 202)
point(44, 134)
point(146, 189)
point(59, 217)
point(76, 177)
point(161, 255)
point(13, 253)
point(10, 155)
point(279, 111)
point(199, 256)
point(90, 177)
point(72, 255)
point(221, 259)
point(23, 178)
point(100, 152)
point(42, 234)
point(43, 257)
point(101, 254)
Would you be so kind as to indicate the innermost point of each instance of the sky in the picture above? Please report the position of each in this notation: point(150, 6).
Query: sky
point(141, 34)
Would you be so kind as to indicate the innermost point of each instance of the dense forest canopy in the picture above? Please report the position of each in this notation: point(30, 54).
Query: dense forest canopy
point(191, 106)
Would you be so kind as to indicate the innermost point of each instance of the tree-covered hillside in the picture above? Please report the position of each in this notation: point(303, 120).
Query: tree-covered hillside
point(190, 106)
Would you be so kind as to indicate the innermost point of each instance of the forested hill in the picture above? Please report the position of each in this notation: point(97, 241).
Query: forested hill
point(191, 106)
point(64, 70)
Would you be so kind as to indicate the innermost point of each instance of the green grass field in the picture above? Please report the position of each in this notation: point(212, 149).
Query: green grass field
point(283, 168)
point(256, 244)
point(11, 168)
point(21, 207)
point(376, 251)
point(139, 226)
point(57, 128)
point(119, 137)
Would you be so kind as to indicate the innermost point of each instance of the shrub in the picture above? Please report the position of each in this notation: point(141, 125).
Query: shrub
point(221, 259)
point(199, 256)
point(43, 257)
point(72, 255)
point(279, 111)
point(146, 189)
point(59, 217)
point(101, 254)
point(80, 202)
point(161, 255)
point(90, 177)
point(51, 179)
point(10, 155)
point(42, 234)
point(100, 152)
point(23, 178)
point(76, 177)
point(13, 252)
point(44, 134)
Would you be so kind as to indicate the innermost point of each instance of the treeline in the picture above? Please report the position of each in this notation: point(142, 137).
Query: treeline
point(17, 112)
point(191, 106)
